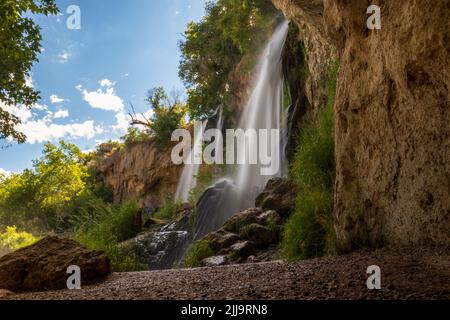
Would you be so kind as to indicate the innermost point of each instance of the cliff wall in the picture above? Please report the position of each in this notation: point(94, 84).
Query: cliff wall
point(392, 115)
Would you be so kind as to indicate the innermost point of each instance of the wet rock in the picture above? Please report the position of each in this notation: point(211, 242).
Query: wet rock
point(158, 250)
point(216, 205)
point(269, 218)
point(215, 261)
point(243, 249)
point(182, 223)
point(43, 265)
point(279, 195)
point(261, 236)
point(241, 219)
point(184, 208)
point(221, 239)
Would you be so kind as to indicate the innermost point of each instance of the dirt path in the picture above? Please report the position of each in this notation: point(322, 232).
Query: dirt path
point(409, 273)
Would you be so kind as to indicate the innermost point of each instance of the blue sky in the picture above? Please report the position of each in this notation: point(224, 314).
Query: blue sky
point(88, 77)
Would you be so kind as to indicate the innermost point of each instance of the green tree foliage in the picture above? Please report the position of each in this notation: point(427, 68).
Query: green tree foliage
point(20, 44)
point(214, 47)
point(135, 135)
point(42, 196)
point(12, 239)
point(62, 194)
point(168, 115)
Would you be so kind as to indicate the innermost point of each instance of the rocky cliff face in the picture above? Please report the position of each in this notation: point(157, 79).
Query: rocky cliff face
point(392, 116)
point(318, 51)
point(140, 171)
point(392, 123)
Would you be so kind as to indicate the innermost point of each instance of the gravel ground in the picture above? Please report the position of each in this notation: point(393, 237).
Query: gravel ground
point(407, 273)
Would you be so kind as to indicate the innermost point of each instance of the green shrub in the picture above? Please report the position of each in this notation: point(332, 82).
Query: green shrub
point(197, 252)
point(13, 240)
point(168, 211)
point(308, 232)
point(102, 227)
point(134, 135)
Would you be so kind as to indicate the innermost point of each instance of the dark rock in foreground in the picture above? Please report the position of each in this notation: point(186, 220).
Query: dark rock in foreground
point(43, 265)
point(279, 195)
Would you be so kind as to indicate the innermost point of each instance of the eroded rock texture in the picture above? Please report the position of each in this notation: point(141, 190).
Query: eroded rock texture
point(392, 123)
point(43, 266)
point(319, 53)
point(140, 171)
point(392, 116)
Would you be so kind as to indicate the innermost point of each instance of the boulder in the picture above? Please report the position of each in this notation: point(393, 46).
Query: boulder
point(261, 236)
point(215, 261)
point(221, 239)
point(243, 249)
point(269, 218)
point(279, 195)
point(241, 219)
point(43, 265)
point(157, 250)
point(5, 293)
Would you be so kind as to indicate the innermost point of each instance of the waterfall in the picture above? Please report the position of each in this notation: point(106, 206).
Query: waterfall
point(264, 110)
point(188, 179)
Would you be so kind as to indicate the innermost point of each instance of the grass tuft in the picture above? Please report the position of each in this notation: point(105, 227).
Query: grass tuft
point(197, 252)
point(309, 232)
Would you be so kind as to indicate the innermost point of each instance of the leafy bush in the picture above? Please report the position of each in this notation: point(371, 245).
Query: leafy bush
point(197, 252)
point(41, 197)
point(134, 135)
point(102, 227)
point(168, 211)
point(308, 232)
point(13, 240)
point(168, 115)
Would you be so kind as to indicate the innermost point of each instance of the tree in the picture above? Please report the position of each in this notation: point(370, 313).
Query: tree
point(168, 114)
point(42, 196)
point(20, 44)
point(213, 48)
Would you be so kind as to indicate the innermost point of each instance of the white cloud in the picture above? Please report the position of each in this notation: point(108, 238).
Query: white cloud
point(64, 56)
point(104, 98)
point(40, 107)
point(123, 122)
point(5, 173)
point(55, 99)
point(106, 83)
point(21, 112)
point(61, 114)
point(146, 115)
point(29, 82)
point(43, 130)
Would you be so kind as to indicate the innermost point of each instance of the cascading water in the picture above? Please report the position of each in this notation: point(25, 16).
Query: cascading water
point(188, 179)
point(237, 191)
point(264, 110)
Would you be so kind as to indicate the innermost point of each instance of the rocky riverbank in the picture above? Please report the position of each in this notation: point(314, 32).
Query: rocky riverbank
point(406, 273)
